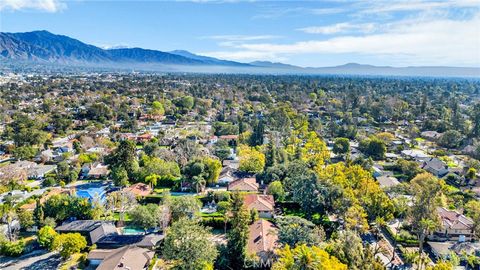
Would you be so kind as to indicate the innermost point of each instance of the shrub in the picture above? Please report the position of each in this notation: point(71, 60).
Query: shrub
point(222, 196)
point(69, 243)
point(214, 222)
point(49, 181)
point(12, 249)
point(46, 235)
point(49, 221)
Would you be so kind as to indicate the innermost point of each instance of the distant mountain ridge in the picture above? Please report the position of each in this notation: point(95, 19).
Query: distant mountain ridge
point(207, 59)
point(45, 47)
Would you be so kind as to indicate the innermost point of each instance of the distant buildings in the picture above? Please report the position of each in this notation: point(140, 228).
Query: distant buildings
point(227, 175)
point(431, 135)
point(23, 170)
point(233, 164)
point(454, 226)
point(414, 154)
point(386, 181)
point(434, 166)
point(98, 171)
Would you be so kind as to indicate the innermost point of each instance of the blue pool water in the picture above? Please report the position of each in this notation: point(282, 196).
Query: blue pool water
point(133, 230)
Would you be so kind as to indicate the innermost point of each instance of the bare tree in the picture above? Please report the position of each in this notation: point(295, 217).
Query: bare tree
point(121, 201)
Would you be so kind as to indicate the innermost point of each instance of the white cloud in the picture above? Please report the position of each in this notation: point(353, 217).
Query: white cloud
point(43, 5)
point(339, 28)
point(236, 40)
point(246, 56)
point(274, 11)
point(418, 5)
point(413, 42)
point(327, 11)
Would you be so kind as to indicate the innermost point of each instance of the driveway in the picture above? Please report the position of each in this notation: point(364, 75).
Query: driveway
point(37, 260)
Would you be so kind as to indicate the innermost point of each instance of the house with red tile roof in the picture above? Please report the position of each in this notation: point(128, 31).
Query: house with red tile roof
point(144, 137)
point(264, 204)
point(454, 226)
point(139, 189)
point(54, 191)
point(262, 239)
point(244, 184)
point(228, 137)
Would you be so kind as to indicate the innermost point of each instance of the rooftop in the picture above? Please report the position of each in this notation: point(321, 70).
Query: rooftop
point(454, 220)
point(259, 202)
point(127, 257)
point(82, 225)
point(262, 237)
point(244, 184)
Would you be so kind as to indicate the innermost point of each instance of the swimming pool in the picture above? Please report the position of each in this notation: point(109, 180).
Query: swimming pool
point(133, 230)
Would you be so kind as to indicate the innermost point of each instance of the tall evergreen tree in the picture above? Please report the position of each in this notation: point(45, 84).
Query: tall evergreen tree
point(125, 157)
point(257, 135)
point(38, 214)
point(271, 155)
point(476, 121)
point(241, 125)
point(238, 236)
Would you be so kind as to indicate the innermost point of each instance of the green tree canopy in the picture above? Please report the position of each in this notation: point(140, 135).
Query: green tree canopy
point(295, 231)
point(189, 245)
point(304, 257)
point(185, 207)
point(145, 216)
point(341, 146)
point(69, 243)
point(45, 236)
point(251, 160)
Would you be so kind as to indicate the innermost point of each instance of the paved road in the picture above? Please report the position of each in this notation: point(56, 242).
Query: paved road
point(37, 260)
point(23, 196)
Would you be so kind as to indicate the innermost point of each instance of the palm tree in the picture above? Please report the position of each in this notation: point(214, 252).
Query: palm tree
point(422, 261)
point(224, 208)
point(305, 258)
point(427, 225)
point(152, 180)
point(199, 183)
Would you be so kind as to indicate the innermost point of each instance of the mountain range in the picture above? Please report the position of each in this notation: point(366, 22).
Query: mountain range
point(43, 47)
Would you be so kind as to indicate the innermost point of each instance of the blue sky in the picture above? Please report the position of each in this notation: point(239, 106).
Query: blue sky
point(305, 33)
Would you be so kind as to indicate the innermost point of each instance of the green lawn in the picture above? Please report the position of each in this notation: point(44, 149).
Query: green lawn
point(4, 163)
point(419, 139)
point(160, 190)
point(116, 216)
point(216, 214)
point(293, 212)
point(451, 165)
point(452, 189)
